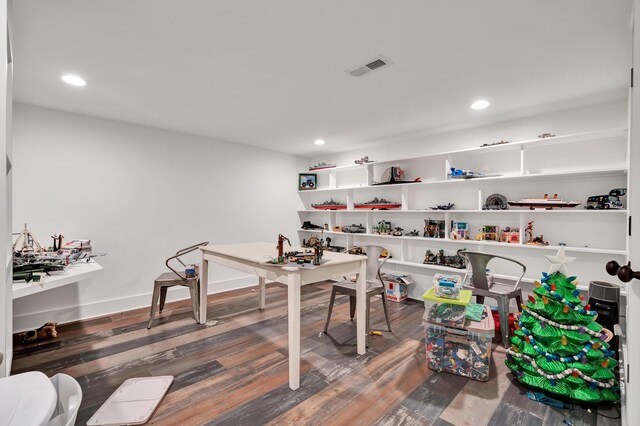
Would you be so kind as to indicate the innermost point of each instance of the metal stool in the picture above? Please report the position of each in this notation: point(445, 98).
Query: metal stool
point(375, 286)
point(174, 278)
point(476, 280)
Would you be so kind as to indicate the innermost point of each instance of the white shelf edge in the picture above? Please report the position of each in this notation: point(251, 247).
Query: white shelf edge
point(555, 175)
point(74, 273)
point(561, 139)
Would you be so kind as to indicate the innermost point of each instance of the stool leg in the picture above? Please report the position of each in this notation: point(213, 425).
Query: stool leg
point(163, 297)
point(503, 309)
point(333, 299)
point(352, 306)
point(386, 310)
point(154, 304)
point(519, 301)
point(193, 291)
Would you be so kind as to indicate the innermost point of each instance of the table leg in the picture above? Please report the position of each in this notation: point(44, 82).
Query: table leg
point(262, 290)
point(293, 313)
point(204, 285)
point(361, 308)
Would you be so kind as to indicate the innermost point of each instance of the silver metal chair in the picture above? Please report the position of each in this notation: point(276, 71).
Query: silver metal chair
point(174, 278)
point(375, 286)
point(476, 280)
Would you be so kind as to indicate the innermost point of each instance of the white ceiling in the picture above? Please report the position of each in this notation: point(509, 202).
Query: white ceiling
point(271, 73)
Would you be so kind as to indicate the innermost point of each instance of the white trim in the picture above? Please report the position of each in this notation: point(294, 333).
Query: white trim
point(32, 320)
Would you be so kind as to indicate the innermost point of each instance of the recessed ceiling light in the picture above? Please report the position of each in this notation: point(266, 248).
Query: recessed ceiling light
point(319, 142)
point(74, 80)
point(480, 104)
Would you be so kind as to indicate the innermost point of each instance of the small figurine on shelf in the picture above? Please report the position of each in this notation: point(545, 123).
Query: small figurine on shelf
point(459, 230)
point(364, 160)
point(414, 233)
point(433, 228)
point(511, 235)
point(489, 233)
point(448, 206)
point(354, 229)
point(537, 241)
point(397, 231)
point(495, 202)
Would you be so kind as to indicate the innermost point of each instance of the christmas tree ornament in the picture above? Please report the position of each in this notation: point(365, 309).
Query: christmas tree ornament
point(565, 309)
point(559, 262)
point(545, 300)
point(531, 299)
point(564, 341)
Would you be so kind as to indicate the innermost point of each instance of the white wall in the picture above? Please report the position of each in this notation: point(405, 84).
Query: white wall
point(593, 117)
point(141, 194)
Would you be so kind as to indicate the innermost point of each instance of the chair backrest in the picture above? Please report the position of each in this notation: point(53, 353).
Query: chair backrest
point(373, 262)
point(477, 268)
point(183, 252)
point(69, 399)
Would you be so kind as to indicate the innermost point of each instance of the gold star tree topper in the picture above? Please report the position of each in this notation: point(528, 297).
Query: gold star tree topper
point(559, 262)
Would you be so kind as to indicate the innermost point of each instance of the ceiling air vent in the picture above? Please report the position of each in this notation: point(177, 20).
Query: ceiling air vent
point(375, 64)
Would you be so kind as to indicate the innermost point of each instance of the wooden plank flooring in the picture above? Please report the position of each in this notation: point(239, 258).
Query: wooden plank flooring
point(233, 370)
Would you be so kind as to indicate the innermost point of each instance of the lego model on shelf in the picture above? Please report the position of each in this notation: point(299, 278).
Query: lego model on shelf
point(611, 201)
point(465, 174)
point(414, 233)
point(321, 165)
point(364, 160)
point(459, 230)
point(330, 205)
point(489, 233)
point(557, 346)
point(456, 261)
point(544, 203)
point(394, 175)
point(397, 231)
point(31, 261)
point(308, 225)
point(448, 206)
point(495, 202)
point(546, 135)
point(494, 143)
point(531, 240)
point(382, 228)
point(307, 181)
point(354, 229)
point(447, 286)
point(510, 235)
point(378, 204)
point(434, 228)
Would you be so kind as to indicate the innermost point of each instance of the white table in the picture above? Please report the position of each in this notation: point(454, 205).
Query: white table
point(253, 257)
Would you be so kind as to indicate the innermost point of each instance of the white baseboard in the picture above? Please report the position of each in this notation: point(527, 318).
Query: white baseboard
point(67, 314)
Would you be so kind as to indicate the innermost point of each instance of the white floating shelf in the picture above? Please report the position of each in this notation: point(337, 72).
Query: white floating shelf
point(74, 273)
point(617, 132)
point(531, 176)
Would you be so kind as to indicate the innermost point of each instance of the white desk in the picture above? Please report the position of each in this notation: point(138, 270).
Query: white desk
point(252, 258)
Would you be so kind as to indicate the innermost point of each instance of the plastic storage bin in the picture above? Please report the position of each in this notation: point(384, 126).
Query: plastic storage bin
point(448, 312)
point(464, 352)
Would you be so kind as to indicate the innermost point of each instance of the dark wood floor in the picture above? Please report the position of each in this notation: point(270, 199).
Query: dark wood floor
point(234, 371)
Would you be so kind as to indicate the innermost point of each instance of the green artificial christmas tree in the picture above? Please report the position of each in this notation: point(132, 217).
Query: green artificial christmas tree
point(557, 346)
